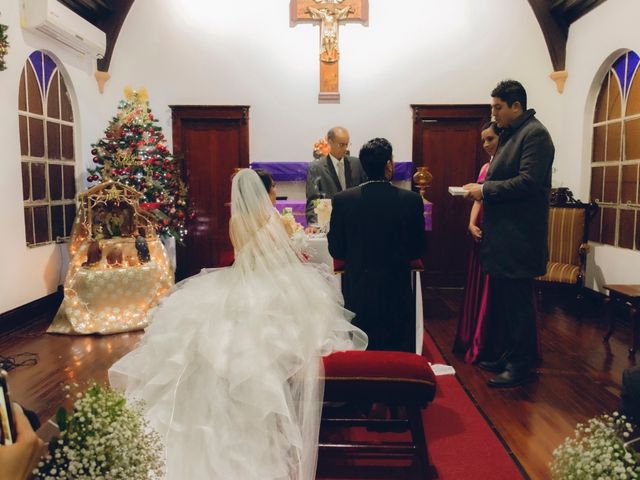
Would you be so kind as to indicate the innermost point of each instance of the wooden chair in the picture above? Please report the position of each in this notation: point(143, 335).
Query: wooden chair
point(568, 241)
point(403, 381)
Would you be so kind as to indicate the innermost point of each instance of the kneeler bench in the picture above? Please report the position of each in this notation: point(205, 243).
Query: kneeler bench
point(403, 381)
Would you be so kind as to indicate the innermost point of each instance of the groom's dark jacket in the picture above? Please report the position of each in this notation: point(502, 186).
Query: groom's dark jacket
point(377, 229)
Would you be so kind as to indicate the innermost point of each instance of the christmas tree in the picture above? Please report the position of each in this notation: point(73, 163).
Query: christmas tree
point(134, 152)
point(4, 46)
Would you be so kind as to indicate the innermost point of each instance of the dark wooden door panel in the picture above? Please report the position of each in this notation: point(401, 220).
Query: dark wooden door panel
point(214, 141)
point(447, 140)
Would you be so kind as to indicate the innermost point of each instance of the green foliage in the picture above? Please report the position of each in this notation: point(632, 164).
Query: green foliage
point(4, 46)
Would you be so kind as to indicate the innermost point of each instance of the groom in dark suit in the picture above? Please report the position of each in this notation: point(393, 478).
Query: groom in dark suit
point(334, 173)
point(377, 229)
point(515, 197)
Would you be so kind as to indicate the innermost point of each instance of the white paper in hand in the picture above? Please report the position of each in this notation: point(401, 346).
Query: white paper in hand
point(458, 191)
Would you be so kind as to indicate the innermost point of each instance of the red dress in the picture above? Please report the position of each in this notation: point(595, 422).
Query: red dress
point(472, 338)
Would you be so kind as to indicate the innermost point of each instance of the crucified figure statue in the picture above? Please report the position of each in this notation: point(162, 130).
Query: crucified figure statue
point(329, 30)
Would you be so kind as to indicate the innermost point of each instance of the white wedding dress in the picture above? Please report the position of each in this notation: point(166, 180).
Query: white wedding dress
point(229, 367)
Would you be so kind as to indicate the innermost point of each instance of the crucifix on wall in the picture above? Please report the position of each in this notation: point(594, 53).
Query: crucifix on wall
point(329, 13)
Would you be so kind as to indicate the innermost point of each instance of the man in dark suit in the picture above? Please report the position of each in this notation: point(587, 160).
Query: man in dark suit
point(515, 197)
point(377, 229)
point(334, 173)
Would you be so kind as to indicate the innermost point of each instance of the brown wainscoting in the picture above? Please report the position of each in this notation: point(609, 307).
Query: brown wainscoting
point(43, 306)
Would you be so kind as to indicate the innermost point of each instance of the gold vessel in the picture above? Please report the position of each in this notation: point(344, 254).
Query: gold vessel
point(422, 179)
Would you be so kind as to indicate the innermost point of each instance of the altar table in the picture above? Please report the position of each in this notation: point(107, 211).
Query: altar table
point(298, 209)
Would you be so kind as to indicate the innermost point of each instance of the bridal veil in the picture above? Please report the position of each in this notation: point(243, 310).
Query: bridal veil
point(230, 367)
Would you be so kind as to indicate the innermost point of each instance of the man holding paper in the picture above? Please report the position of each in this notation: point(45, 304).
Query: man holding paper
point(515, 199)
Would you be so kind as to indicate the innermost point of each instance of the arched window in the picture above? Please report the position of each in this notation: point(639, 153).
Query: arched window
point(45, 117)
point(615, 157)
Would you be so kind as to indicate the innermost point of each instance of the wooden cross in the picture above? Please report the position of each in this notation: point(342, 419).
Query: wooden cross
point(330, 13)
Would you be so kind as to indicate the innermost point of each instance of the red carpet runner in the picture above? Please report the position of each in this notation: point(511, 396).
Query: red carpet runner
point(461, 444)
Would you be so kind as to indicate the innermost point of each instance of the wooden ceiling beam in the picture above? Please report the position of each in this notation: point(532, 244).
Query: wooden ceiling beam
point(555, 31)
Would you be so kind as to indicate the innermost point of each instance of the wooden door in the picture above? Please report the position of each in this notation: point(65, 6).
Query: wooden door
point(446, 138)
point(213, 141)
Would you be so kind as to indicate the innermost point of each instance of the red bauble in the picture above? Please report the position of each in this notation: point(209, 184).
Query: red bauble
point(132, 145)
point(168, 176)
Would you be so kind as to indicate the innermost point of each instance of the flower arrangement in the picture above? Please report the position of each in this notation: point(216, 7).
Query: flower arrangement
point(321, 148)
point(323, 209)
point(289, 221)
point(103, 438)
point(597, 450)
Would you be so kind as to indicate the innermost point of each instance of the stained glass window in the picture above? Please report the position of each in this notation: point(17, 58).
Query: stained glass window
point(45, 119)
point(615, 156)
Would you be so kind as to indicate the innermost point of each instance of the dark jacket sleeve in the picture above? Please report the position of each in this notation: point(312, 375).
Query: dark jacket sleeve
point(337, 236)
point(313, 191)
point(536, 159)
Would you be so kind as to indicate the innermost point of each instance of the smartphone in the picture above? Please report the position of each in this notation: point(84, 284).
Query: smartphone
point(7, 423)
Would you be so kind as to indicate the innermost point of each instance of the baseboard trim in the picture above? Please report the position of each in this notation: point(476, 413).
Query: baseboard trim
point(47, 305)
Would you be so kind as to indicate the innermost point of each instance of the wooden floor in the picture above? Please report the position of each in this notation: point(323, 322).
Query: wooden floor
point(579, 378)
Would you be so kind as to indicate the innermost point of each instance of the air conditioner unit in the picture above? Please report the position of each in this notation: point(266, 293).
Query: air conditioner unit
point(53, 19)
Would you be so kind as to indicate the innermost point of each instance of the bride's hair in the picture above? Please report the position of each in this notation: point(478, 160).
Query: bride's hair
point(256, 230)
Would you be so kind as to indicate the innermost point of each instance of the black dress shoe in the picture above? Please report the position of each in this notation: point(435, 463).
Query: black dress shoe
point(512, 377)
point(495, 366)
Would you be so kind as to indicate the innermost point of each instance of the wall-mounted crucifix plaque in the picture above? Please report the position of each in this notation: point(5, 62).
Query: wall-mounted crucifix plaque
point(329, 13)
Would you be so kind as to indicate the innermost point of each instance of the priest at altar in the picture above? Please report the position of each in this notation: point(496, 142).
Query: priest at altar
point(332, 173)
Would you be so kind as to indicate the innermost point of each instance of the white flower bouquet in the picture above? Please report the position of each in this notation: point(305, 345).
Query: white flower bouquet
point(323, 211)
point(597, 451)
point(103, 438)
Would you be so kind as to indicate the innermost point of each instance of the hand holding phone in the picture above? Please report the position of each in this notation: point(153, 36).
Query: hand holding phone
point(7, 423)
point(17, 461)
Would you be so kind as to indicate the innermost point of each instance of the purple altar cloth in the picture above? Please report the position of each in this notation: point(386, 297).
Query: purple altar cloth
point(297, 171)
point(298, 207)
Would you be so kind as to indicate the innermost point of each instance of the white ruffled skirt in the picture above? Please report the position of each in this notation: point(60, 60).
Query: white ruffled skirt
point(229, 371)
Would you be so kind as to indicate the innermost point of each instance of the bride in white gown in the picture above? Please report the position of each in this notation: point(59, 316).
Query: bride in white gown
point(230, 367)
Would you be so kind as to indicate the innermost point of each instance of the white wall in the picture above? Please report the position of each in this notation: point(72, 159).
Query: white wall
point(595, 41)
point(218, 52)
point(27, 274)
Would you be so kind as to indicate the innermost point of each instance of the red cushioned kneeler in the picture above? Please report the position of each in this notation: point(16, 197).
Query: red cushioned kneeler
point(397, 379)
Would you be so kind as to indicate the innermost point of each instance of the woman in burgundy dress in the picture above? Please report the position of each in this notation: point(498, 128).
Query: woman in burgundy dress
point(474, 338)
